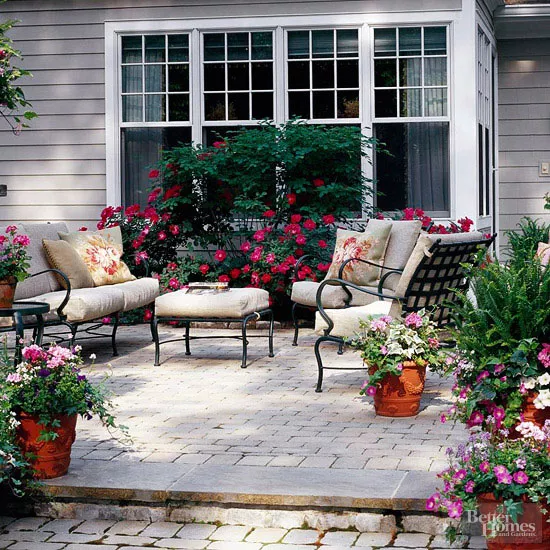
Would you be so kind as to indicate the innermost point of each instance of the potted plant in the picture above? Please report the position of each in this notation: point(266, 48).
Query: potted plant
point(502, 483)
point(47, 391)
point(14, 262)
point(397, 354)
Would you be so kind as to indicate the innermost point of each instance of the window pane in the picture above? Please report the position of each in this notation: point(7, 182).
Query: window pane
point(298, 44)
point(178, 47)
point(214, 47)
point(237, 46)
point(155, 108)
point(385, 103)
point(323, 74)
point(214, 106)
point(323, 104)
point(298, 75)
point(178, 78)
point(238, 107)
point(262, 105)
point(348, 104)
point(435, 40)
point(322, 43)
point(385, 73)
point(435, 71)
point(298, 104)
point(262, 76)
point(262, 45)
point(347, 43)
point(178, 107)
point(132, 108)
point(435, 102)
point(348, 74)
point(411, 102)
point(154, 49)
point(155, 78)
point(416, 173)
point(142, 148)
point(384, 42)
point(237, 76)
point(131, 79)
point(410, 72)
point(410, 41)
point(214, 76)
point(131, 49)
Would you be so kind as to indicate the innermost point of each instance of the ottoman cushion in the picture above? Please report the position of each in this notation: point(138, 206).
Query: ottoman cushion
point(234, 304)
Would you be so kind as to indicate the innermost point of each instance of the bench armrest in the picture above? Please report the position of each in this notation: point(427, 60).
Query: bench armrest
point(68, 289)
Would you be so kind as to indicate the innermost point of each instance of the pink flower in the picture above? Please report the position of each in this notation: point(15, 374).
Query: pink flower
point(482, 376)
point(204, 269)
point(259, 236)
point(521, 478)
point(269, 214)
point(328, 219)
point(459, 475)
point(475, 419)
point(106, 320)
point(174, 283)
point(383, 350)
point(318, 182)
point(433, 502)
point(502, 474)
point(498, 368)
point(301, 240)
point(245, 247)
point(469, 486)
point(413, 320)
point(270, 258)
point(454, 509)
point(484, 467)
point(162, 236)
point(544, 355)
point(220, 255)
point(256, 254)
point(499, 414)
point(13, 377)
point(11, 229)
point(22, 240)
point(140, 256)
point(443, 418)
point(408, 214)
point(153, 195)
point(310, 225)
point(174, 229)
point(433, 343)
point(371, 391)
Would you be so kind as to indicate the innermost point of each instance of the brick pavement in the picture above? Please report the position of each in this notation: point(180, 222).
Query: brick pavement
point(204, 409)
point(79, 534)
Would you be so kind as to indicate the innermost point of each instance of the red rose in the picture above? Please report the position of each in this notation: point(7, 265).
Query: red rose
point(153, 195)
point(259, 235)
point(299, 252)
point(418, 212)
point(245, 247)
point(219, 144)
point(268, 213)
point(172, 192)
point(323, 267)
point(162, 236)
point(235, 273)
point(172, 167)
point(83, 228)
point(151, 214)
point(132, 210)
point(246, 268)
point(322, 244)
point(220, 255)
point(174, 229)
point(300, 240)
point(266, 278)
point(318, 182)
point(291, 198)
point(328, 219)
point(147, 315)
point(173, 283)
point(295, 218)
point(224, 278)
point(408, 214)
point(379, 216)
point(154, 174)
point(171, 266)
point(204, 269)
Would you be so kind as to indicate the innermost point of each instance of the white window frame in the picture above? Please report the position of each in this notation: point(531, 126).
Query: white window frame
point(459, 31)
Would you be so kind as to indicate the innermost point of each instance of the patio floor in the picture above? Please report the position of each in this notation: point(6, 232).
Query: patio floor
point(206, 430)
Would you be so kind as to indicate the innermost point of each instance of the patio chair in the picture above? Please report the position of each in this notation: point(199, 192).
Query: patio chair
point(433, 274)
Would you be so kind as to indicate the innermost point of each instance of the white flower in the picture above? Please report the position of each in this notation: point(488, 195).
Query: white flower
point(529, 383)
point(93, 357)
point(542, 401)
point(544, 379)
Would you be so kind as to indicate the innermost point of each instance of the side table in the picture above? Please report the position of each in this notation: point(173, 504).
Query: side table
point(17, 312)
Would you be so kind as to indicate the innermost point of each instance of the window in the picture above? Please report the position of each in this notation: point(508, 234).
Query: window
point(323, 74)
point(411, 118)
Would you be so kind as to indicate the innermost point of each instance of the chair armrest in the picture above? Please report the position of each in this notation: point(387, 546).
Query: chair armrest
point(68, 289)
point(346, 284)
point(386, 275)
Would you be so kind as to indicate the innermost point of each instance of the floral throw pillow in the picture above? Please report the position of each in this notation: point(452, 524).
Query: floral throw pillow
point(543, 252)
point(101, 251)
point(370, 245)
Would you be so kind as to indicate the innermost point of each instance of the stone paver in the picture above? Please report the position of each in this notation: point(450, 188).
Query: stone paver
point(57, 535)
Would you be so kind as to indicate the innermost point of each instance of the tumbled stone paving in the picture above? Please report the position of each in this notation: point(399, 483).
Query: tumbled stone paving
point(76, 534)
point(205, 409)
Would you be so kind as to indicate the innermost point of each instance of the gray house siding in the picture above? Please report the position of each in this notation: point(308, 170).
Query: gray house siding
point(524, 128)
point(56, 169)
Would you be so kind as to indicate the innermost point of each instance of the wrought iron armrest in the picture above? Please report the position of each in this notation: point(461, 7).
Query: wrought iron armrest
point(345, 284)
point(390, 270)
point(299, 263)
point(68, 289)
point(147, 267)
point(386, 275)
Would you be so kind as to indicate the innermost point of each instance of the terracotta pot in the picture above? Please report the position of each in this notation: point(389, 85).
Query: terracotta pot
point(7, 291)
point(532, 515)
point(399, 396)
point(531, 414)
point(48, 458)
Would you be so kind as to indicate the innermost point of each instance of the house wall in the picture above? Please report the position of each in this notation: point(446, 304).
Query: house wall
point(56, 170)
point(524, 129)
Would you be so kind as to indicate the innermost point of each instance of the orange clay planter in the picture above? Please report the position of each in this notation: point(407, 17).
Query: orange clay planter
point(533, 515)
point(7, 291)
point(49, 459)
point(399, 396)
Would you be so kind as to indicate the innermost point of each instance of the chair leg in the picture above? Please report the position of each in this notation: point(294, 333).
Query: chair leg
point(271, 330)
point(113, 335)
point(296, 324)
point(245, 341)
point(155, 334)
point(318, 343)
point(74, 329)
point(187, 340)
point(340, 348)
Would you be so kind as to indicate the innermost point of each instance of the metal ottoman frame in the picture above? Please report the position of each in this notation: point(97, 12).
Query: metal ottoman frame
point(187, 325)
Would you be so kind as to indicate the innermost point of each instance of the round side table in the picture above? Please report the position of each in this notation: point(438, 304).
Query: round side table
point(17, 312)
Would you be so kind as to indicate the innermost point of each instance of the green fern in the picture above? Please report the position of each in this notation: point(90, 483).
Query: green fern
point(522, 244)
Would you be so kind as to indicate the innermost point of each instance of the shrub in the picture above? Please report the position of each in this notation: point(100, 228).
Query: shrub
point(522, 244)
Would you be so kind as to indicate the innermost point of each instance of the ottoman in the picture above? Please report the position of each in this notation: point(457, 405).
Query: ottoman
point(234, 305)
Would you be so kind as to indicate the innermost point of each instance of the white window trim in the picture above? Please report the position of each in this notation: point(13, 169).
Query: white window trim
point(113, 29)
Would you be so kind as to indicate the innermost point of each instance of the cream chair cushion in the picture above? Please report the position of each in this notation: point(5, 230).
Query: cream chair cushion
point(138, 293)
point(233, 304)
point(305, 293)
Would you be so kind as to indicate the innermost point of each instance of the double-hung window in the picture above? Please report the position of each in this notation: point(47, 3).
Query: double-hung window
point(411, 117)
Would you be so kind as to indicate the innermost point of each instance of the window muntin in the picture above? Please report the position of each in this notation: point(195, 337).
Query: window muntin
point(323, 74)
point(155, 82)
point(238, 76)
point(410, 72)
